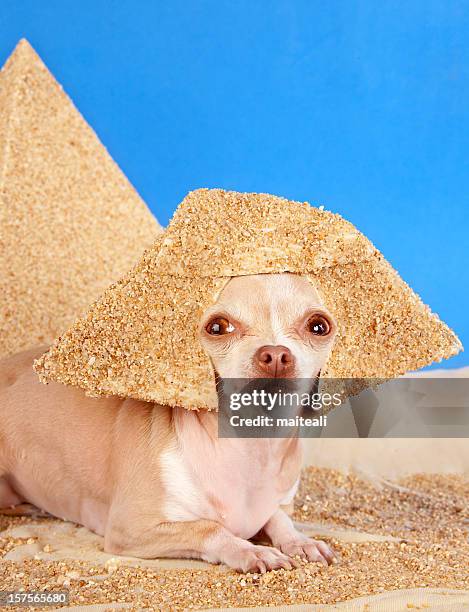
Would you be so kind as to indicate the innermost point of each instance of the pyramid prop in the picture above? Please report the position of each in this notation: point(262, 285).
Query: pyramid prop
point(141, 338)
point(70, 222)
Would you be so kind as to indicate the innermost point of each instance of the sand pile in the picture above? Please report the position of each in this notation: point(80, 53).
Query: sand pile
point(70, 222)
point(412, 534)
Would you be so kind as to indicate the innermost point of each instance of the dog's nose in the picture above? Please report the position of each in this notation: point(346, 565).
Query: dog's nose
point(274, 361)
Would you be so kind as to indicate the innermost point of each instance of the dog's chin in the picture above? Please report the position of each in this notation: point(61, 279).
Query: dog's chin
point(253, 375)
point(256, 375)
point(295, 382)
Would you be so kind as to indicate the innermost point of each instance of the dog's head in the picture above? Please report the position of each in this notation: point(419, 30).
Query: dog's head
point(268, 326)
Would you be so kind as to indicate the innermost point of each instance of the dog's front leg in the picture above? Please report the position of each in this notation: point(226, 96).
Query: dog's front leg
point(281, 531)
point(201, 539)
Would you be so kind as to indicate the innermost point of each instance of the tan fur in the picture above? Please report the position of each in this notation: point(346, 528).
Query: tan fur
point(156, 481)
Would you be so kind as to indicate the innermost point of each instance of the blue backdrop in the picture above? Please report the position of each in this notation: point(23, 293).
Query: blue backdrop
point(362, 106)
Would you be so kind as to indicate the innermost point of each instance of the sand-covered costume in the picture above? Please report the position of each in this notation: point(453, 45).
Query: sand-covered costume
point(141, 338)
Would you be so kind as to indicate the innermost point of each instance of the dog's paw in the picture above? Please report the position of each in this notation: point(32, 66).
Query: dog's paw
point(309, 549)
point(258, 559)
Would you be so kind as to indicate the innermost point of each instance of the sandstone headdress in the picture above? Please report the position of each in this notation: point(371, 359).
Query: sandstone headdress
point(141, 338)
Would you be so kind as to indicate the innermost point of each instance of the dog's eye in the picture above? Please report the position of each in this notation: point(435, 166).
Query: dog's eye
point(219, 327)
point(319, 325)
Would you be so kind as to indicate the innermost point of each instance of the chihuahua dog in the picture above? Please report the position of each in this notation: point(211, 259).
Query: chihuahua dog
point(157, 481)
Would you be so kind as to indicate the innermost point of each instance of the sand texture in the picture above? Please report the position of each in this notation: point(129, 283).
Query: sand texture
point(141, 339)
point(402, 544)
point(70, 222)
